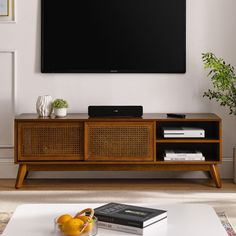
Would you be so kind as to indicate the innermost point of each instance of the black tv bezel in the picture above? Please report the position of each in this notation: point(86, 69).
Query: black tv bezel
point(43, 70)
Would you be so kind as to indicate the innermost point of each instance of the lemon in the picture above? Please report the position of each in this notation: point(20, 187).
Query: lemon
point(63, 218)
point(72, 227)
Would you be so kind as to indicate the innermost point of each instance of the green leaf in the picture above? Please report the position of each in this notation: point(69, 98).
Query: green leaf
point(223, 80)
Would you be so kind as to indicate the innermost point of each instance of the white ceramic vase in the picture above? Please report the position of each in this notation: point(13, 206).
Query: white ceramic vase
point(60, 112)
point(44, 105)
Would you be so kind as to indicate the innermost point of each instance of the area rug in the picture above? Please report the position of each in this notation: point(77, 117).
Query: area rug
point(226, 224)
point(6, 216)
point(4, 219)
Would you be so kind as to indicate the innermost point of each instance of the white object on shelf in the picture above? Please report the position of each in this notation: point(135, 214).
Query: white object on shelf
point(183, 132)
point(184, 158)
point(44, 105)
point(60, 112)
point(183, 153)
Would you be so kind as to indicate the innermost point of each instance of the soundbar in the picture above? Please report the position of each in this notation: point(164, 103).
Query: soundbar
point(115, 111)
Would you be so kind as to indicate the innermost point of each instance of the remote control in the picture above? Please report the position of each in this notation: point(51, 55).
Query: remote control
point(176, 115)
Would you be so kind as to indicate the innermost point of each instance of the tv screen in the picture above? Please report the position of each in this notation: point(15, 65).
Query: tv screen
point(127, 36)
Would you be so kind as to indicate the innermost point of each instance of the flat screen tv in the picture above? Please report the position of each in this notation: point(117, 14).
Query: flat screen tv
point(127, 36)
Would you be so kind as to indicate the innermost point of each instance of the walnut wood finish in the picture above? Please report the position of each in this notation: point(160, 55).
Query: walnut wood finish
point(50, 141)
point(80, 143)
point(215, 175)
point(22, 171)
point(146, 116)
point(119, 141)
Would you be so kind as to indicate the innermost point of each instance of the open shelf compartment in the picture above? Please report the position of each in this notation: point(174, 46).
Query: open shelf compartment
point(209, 150)
point(211, 128)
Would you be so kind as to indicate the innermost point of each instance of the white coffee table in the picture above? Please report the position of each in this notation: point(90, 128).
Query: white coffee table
point(183, 220)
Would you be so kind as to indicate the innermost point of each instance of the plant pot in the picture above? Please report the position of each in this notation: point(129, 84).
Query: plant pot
point(44, 105)
point(60, 112)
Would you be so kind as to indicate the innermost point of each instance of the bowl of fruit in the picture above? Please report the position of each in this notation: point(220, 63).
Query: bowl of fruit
point(84, 223)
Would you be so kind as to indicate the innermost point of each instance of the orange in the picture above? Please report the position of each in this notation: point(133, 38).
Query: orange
point(72, 227)
point(84, 219)
point(63, 218)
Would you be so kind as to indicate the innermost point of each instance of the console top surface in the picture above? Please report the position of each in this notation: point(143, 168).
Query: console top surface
point(146, 116)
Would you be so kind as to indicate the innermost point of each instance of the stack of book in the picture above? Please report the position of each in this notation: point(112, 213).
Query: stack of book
point(129, 218)
point(183, 155)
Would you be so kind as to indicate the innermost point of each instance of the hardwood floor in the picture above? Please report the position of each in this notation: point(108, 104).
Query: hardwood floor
point(120, 184)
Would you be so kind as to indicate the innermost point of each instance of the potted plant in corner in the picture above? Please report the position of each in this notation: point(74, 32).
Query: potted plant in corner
point(60, 107)
point(223, 80)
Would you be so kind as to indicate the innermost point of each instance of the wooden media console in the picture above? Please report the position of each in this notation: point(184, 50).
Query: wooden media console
point(80, 143)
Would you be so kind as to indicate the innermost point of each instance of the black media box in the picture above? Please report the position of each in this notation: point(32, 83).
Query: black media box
point(115, 111)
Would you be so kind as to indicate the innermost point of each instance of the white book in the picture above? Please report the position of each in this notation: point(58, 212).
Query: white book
point(183, 153)
point(183, 132)
point(177, 158)
point(146, 231)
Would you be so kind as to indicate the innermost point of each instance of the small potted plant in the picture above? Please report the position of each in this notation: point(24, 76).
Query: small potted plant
point(60, 107)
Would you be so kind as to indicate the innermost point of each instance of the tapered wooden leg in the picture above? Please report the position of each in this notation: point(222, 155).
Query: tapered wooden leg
point(21, 175)
point(215, 175)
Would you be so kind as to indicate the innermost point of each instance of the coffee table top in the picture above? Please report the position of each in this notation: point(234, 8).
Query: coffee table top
point(183, 220)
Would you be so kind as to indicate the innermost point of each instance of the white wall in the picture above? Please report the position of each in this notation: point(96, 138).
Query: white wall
point(210, 27)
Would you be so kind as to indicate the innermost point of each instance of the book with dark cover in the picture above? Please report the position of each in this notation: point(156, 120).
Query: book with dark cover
point(130, 215)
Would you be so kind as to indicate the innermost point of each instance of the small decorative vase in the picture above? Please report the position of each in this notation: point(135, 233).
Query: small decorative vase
point(60, 112)
point(44, 105)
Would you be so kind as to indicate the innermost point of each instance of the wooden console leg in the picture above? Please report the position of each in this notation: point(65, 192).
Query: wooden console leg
point(215, 175)
point(22, 171)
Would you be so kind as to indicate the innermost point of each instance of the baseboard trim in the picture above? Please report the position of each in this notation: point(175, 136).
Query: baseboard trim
point(8, 170)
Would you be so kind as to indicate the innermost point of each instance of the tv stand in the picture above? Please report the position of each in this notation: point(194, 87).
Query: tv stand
point(80, 143)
